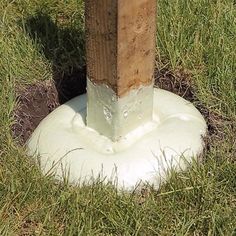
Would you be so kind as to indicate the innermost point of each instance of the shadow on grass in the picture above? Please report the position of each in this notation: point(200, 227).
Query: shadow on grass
point(64, 47)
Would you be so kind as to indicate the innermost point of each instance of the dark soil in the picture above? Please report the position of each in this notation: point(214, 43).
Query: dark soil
point(36, 101)
point(178, 83)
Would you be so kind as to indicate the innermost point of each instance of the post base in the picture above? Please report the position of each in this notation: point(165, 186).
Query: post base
point(66, 146)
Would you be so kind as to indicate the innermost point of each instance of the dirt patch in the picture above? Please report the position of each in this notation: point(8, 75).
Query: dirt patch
point(36, 101)
point(177, 82)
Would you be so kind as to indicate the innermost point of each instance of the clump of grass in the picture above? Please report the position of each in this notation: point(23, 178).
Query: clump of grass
point(197, 36)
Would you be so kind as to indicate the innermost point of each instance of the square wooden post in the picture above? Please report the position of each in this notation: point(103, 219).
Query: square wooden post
point(120, 50)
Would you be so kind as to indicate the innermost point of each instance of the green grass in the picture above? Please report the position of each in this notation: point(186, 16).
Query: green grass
point(38, 37)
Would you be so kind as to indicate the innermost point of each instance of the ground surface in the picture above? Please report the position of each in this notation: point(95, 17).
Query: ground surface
point(42, 58)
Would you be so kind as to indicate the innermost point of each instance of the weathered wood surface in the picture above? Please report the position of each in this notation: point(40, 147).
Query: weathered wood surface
point(120, 43)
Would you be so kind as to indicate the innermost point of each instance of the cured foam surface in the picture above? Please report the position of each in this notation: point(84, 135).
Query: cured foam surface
point(171, 141)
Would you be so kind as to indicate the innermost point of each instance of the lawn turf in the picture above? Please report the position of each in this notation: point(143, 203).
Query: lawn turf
point(41, 39)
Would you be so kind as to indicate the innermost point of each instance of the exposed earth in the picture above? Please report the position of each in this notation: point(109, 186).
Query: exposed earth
point(36, 101)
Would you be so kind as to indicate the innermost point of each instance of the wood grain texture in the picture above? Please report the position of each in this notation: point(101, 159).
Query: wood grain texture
point(120, 43)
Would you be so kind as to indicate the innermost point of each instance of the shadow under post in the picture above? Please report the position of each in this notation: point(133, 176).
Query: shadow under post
point(64, 47)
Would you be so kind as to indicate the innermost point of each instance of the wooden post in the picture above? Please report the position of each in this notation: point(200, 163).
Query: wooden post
point(120, 50)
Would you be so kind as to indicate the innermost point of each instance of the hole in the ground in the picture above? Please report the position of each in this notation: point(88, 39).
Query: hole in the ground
point(36, 101)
